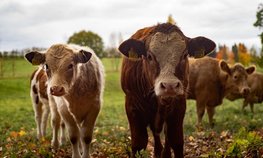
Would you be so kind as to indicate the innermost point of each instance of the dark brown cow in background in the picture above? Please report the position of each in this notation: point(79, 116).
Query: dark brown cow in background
point(154, 78)
point(255, 82)
point(211, 80)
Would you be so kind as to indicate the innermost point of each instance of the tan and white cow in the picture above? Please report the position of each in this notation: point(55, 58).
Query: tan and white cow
point(76, 82)
point(39, 99)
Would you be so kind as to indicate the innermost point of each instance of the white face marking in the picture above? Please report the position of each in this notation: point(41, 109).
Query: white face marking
point(168, 49)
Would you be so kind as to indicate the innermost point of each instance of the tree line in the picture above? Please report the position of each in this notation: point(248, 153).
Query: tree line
point(237, 53)
point(82, 38)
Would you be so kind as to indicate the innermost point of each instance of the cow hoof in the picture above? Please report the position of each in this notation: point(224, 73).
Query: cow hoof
point(199, 127)
point(212, 125)
point(54, 144)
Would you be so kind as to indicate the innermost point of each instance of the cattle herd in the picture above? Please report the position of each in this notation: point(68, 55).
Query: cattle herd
point(161, 69)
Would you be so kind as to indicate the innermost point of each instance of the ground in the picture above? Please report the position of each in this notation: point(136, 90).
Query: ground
point(236, 133)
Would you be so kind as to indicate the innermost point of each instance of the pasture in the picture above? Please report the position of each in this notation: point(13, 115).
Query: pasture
point(236, 133)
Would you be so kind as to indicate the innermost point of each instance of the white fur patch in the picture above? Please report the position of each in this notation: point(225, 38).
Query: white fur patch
point(168, 49)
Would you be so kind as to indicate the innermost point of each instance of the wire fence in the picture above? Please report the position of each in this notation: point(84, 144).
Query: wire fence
point(18, 67)
point(14, 67)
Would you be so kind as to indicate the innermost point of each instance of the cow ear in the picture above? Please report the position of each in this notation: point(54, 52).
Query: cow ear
point(82, 56)
point(36, 58)
point(200, 46)
point(250, 69)
point(224, 66)
point(132, 48)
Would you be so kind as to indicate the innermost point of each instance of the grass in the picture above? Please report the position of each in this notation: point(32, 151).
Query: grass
point(111, 134)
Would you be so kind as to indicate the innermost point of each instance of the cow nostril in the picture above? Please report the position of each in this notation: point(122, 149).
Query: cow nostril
point(61, 89)
point(56, 90)
point(177, 85)
point(51, 90)
point(162, 85)
point(246, 91)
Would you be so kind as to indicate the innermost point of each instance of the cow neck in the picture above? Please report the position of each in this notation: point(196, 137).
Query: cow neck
point(223, 81)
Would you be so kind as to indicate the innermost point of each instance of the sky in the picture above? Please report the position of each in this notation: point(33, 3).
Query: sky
point(41, 23)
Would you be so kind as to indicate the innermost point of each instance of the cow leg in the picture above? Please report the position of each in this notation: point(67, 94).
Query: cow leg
point(139, 137)
point(138, 128)
point(251, 107)
point(157, 127)
point(211, 112)
point(200, 108)
point(87, 131)
point(37, 105)
point(46, 112)
point(62, 133)
point(55, 122)
point(73, 130)
point(174, 131)
point(157, 141)
point(245, 103)
point(167, 149)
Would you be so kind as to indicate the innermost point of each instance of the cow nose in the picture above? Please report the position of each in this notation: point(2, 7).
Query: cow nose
point(57, 90)
point(170, 87)
point(246, 91)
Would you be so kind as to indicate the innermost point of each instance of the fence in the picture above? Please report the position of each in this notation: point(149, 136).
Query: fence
point(14, 67)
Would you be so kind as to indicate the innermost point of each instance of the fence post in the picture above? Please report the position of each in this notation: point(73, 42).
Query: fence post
point(1, 67)
point(13, 67)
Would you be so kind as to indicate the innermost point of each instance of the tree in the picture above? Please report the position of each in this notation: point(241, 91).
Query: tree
point(112, 50)
point(170, 19)
point(259, 22)
point(244, 55)
point(235, 52)
point(90, 39)
point(222, 53)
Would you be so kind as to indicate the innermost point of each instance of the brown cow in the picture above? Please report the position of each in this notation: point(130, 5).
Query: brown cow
point(154, 78)
point(255, 82)
point(42, 102)
point(211, 80)
point(76, 82)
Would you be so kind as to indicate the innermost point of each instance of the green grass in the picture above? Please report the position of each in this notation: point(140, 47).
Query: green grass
point(111, 134)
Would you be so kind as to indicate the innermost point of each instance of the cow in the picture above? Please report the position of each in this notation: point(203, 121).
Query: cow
point(75, 78)
point(41, 102)
point(210, 80)
point(255, 82)
point(154, 78)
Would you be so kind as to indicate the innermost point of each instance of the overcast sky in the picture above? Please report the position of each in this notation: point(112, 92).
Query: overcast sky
point(41, 23)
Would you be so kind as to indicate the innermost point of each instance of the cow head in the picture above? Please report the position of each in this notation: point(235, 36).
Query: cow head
point(61, 65)
point(236, 79)
point(164, 54)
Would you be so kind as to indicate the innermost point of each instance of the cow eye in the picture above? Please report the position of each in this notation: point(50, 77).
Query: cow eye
point(235, 77)
point(186, 55)
point(70, 66)
point(45, 67)
point(149, 57)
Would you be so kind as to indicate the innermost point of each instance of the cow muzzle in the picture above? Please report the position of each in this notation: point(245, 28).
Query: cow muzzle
point(245, 91)
point(169, 89)
point(57, 91)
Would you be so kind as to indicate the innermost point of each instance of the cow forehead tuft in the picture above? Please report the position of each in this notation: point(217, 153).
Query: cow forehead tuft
point(59, 51)
point(238, 68)
point(168, 49)
point(166, 46)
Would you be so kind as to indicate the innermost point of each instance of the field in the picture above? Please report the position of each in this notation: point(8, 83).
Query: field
point(236, 133)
